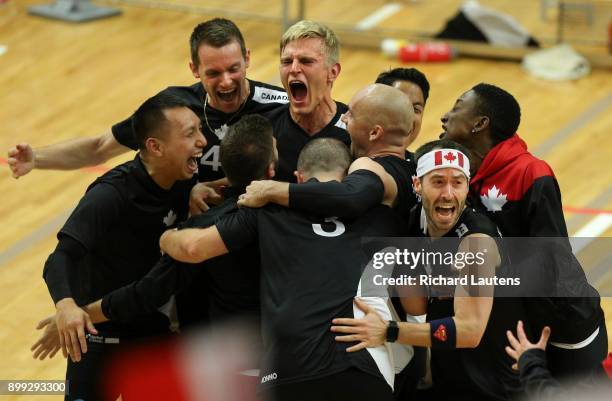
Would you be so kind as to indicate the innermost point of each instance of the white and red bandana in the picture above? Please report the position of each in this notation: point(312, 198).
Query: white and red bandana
point(443, 158)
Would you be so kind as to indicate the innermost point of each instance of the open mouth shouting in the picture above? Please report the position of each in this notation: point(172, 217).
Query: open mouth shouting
point(299, 91)
point(193, 161)
point(227, 95)
point(445, 210)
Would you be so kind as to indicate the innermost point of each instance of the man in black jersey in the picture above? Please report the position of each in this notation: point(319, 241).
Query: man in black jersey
point(248, 153)
point(110, 239)
point(305, 278)
point(466, 333)
point(219, 60)
point(309, 65)
point(379, 120)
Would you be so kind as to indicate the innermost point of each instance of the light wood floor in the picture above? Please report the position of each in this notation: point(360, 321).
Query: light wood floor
point(59, 81)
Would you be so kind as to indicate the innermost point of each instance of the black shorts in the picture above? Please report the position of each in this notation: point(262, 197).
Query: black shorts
point(348, 385)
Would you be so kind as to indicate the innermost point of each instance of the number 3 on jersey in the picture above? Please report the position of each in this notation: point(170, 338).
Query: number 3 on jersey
point(339, 228)
point(211, 158)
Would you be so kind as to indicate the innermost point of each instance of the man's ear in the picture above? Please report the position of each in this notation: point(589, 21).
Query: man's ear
point(482, 123)
point(300, 176)
point(194, 70)
point(416, 184)
point(247, 58)
point(154, 146)
point(376, 133)
point(333, 73)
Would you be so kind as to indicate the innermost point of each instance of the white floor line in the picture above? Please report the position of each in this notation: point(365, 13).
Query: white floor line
point(591, 230)
point(382, 13)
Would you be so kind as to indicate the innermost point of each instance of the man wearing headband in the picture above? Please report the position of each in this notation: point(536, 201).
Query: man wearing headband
point(466, 333)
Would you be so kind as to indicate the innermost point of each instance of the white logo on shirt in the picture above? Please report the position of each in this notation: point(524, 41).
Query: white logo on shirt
point(266, 95)
point(270, 377)
point(170, 218)
point(494, 199)
point(221, 131)
point(461, 230)
point(340, 123)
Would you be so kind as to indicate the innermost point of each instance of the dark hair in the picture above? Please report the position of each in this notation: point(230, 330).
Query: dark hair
point(149, 119)
point(502, 109)
point(441, 144)
point(216, 32)
point(247, 150)
point(324, 154)
point(405, 74)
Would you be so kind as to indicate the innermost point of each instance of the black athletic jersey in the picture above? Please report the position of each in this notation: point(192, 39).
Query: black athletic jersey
point(221, 288)
point(402, 172)
point(310, 271)
point(291, 138)
point(262, 98)
point(484, 372)
point(119, 221)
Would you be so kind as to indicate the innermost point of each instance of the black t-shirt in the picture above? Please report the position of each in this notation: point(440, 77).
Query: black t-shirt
point(402, 172)
point(224, 287)
point(484, 372)
point(311, 268)
point(262, 98)
point(291, 138)
point(119, 222)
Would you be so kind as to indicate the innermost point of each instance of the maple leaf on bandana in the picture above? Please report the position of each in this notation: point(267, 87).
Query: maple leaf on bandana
point(494, 200)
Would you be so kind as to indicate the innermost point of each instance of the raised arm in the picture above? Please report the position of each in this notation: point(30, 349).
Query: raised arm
point(68, 155)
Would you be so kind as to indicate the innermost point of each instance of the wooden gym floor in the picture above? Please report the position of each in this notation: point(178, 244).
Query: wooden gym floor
point(60, 80)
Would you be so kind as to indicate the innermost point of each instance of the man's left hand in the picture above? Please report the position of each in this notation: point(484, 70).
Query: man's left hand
point(370, 331)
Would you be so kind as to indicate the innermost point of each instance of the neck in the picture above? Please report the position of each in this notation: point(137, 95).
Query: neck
point(479, 151)
point(328, 176)
point(315, 121)
point(157, 174)
point(388, 150)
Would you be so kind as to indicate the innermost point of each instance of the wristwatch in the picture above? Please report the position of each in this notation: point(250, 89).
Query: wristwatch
point(392, 331)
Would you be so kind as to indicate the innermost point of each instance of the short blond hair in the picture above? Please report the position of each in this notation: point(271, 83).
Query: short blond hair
point(311, 29)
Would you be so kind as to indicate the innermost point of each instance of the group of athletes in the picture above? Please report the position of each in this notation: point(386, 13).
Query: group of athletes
point(259, 198)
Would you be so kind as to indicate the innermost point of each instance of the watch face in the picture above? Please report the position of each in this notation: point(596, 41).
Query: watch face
point(392, 331)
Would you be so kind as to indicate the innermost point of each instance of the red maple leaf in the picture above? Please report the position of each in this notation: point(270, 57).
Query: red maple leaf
point(450, 157)
point(440, 333)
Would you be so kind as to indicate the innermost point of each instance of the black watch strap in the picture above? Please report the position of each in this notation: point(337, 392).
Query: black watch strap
point(392, 331)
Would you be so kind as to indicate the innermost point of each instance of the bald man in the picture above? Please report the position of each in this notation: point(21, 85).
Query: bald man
point(379, 119)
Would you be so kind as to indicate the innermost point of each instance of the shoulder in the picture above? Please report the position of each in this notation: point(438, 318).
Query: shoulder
point(535, 168)
point(116, 177)
point(474, 222)
point(211, 216)
point(366, 163)
point(187, 93)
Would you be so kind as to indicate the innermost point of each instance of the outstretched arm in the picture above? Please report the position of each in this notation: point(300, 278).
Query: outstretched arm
point(68, 155)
